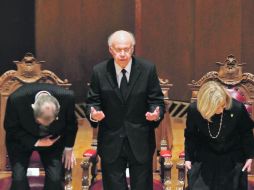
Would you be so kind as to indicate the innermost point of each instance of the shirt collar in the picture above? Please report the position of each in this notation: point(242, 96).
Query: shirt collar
point(127, 68)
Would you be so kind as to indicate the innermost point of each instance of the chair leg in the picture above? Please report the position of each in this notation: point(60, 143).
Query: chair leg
point(166, 166)
point(181, 175)
point(85, 174)
point(68, 179)
point(94, 171)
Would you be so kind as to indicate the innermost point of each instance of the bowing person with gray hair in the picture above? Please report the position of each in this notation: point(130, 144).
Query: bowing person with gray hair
point(40, 117)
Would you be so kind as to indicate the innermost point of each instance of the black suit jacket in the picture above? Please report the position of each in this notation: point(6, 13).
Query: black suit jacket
point(144, 94)
point(235, 138)
point(20, 125)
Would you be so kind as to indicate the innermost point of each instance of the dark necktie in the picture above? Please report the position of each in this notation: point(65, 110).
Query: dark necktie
point(123, 84)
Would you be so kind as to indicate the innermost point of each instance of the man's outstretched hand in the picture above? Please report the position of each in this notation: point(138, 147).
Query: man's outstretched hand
point(97, 115)
point(153, 116)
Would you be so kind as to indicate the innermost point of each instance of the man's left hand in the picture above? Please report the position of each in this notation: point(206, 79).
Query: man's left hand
point(68, 159)
point(247, 165)
point(153, 116)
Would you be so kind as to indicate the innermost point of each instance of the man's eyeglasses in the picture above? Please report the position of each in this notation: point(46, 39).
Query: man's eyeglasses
point(120, 50)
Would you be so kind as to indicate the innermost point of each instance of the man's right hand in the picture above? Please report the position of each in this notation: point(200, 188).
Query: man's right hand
point(46, 141)
point(97, 115)
point(187, 165)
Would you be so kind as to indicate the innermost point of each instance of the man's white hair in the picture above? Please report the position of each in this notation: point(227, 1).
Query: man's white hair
point(41, 101)
point(113, 35)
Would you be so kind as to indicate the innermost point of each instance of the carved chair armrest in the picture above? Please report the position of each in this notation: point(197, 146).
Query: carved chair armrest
point(89, 167)
point(165, 168)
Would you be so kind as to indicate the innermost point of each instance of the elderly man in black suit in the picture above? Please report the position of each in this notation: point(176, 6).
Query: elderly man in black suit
point(40, 117)
point(126, 102)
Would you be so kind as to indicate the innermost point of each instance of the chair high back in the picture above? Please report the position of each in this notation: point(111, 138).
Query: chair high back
point(28, 71)
point(239, 85)
point(163, 133)
point(162, 157)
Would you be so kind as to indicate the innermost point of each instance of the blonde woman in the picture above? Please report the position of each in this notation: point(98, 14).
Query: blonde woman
point(219, 143)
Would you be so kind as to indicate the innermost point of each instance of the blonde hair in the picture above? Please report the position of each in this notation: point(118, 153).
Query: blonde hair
point(210, 96)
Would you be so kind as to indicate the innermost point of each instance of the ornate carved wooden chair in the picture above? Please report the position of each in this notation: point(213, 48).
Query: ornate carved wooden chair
point(162, 158)
point(28, 71)
point(239, 85)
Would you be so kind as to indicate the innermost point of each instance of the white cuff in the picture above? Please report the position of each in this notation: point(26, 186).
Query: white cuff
point(158, 119)
point(91, 119)
point(36, 144)
point(68, 148)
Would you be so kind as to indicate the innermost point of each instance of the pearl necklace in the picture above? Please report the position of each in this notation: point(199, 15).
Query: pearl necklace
point(208, 125)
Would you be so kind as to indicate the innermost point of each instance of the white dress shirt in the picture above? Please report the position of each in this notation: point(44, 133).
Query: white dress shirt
point(119, 73)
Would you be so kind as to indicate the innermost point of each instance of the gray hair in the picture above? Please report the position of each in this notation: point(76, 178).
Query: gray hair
point(111, 37)
point(41, 101)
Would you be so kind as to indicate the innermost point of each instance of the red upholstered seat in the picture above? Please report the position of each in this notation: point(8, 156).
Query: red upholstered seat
point(166, 154)
point(35, 161)
point(237, 94)
point(157, 185)
point(90, 153)
point(36, 183)
point(251, 183)
point(182, 155)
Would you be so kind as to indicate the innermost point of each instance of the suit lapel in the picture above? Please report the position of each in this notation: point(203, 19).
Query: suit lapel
point(111, 76)
point(134, 75)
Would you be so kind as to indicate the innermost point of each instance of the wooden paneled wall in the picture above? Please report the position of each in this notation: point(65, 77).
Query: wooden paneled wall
point(247, 46)
point(17, 33)
point(184, 38)
point(72, 35)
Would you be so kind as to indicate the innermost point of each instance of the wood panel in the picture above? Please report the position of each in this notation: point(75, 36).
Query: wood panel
point(17, 31)
point(217, 33)
point(166, 32)
point(186, 38)
point(183, 38)
point(247, 48)
point(72, 35)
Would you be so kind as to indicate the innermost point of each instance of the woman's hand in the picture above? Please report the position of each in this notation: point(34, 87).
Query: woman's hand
point(247, 165)
point(68, 159)
point(187, 165)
